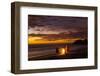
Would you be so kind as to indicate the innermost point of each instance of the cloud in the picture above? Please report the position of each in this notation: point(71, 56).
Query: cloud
point(50, 30)
point(71, 26)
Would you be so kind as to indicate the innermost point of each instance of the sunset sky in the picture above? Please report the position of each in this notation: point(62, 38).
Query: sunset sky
point(74, 26)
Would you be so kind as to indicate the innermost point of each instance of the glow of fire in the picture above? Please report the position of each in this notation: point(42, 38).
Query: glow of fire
point(62, 51)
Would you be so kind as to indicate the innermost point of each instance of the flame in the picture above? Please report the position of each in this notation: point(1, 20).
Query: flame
point(62, 51)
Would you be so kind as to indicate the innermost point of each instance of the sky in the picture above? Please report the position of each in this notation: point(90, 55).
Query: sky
point(41, 24)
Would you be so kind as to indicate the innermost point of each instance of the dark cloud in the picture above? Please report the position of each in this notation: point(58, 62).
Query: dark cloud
point(59, 24)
